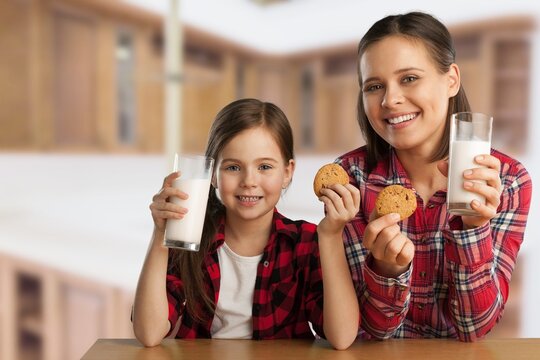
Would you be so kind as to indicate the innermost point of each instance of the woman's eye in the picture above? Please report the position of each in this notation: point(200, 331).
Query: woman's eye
point(408, 79)
point(373, 87)
point(233, 168)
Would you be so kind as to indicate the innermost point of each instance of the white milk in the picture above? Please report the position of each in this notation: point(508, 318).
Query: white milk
point(462, 155)
point(189, 229)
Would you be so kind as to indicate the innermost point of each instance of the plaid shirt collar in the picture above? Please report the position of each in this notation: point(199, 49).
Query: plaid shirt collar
point(278, 228)
point(390, 171)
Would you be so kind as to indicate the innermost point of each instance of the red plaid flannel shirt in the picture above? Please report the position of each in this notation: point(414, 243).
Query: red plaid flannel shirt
point(459, 279)
point(288, 288)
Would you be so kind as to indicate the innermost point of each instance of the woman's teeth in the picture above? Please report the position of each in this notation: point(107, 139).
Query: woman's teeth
point(401, 119)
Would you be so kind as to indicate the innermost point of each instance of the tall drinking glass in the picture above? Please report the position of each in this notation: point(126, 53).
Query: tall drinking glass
point(470, 135)
point(194, 180)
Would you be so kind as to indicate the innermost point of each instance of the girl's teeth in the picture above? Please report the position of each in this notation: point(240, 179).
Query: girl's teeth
point(249, 198)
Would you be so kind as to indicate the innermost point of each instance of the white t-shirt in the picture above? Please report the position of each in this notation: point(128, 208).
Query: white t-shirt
point(233, 318)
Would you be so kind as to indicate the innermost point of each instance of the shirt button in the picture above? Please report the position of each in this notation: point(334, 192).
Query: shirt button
point(422, 274)
point(431, 206)
point(420, 306)
point(266, 263)
point(402, 287)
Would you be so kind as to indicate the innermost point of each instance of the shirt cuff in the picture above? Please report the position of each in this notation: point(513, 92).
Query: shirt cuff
point(468, 247)
point(395, 290)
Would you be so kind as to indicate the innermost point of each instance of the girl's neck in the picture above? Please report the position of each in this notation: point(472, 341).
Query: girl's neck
point(423, 174)
point(248, 237)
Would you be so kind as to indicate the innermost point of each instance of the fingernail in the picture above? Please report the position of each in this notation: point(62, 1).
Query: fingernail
point(480, 157)
point(475, 203)
point(467, 172)
point(396, 217)
point(467, 184)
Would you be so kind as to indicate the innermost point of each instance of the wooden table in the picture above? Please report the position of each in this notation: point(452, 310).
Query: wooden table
point(513, 349)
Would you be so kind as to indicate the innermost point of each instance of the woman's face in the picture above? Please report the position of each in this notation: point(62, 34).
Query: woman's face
point(404, 94)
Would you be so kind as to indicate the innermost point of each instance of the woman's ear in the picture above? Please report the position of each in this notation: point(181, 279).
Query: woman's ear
point(454, 80)
point(289, 171)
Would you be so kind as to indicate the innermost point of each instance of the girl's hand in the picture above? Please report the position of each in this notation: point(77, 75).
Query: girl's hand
point(342, 204)
point(392, 251)
point(491, 189)
point(162, 209)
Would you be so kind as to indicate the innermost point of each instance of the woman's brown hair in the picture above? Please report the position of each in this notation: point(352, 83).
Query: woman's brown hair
point(234, 118)
point(415, 26)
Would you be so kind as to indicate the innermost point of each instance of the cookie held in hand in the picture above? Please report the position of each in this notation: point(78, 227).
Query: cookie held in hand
point(328, 175)
point(396, 199)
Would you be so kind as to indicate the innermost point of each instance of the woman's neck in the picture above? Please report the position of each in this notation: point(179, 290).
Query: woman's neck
point(423, 174)
point(248, 237)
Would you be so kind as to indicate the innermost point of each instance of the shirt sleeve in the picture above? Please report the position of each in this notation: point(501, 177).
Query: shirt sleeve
point(383, 301)
point(315, 295)
point(480, 261)
point(175, 299)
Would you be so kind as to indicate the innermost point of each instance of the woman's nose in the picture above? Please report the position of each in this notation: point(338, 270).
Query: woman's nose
point(392, 96)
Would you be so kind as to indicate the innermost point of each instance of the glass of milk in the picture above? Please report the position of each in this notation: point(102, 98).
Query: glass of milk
point(470, 135)
point(194, 180)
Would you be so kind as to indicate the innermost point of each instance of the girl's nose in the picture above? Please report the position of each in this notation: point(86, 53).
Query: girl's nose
point(249, 179)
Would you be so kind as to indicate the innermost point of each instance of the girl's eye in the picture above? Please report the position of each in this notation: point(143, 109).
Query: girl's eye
point(409, 78)
point(233, 168)
point(373, 87)
point(265, 167)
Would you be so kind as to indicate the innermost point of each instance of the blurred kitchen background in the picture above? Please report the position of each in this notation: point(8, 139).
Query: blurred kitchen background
point(83, 133)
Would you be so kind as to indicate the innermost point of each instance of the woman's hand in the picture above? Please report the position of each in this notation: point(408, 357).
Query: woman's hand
point(161, 207)
point(391, 250)
point(342, 204)
point(491, 189)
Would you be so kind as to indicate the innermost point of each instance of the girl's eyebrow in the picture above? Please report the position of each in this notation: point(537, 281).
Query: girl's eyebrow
point(399, 71)
point(257, 160)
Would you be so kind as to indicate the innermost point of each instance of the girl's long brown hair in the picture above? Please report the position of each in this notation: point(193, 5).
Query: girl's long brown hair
point(234, 118)
point(415, 26)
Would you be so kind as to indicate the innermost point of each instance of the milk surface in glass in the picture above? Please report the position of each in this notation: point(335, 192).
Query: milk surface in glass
point(180, 232)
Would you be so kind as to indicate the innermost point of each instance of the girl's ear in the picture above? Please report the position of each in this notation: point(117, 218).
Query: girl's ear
point(289, 171)
point(454, 80)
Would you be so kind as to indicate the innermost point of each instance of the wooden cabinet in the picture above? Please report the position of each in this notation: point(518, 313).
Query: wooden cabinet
point(48, 314)
point(495, 62)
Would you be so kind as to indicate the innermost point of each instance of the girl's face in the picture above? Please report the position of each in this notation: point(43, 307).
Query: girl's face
point(405, 96)
point(250, 175)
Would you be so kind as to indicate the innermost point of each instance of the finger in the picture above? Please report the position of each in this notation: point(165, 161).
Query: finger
point(345, 195)
point(443, 167)
point(487, 211)
point(329, 204)
point(385, 244)
point(491, 195)
point(355, 194)
point(166, 192)
point(375, 226)
point(376, 241)
point(488, 161)
point(169, 179)
point(334, 197)
point(406, 254)
point(490, 176)
point(167, 206)
point(168, 215)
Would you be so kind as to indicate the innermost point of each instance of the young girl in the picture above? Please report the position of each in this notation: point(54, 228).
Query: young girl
point(258, 275)
point(433, 274)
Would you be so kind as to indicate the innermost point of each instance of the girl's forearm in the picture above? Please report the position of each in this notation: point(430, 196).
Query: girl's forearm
point(341, 312)
point(150, 309)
